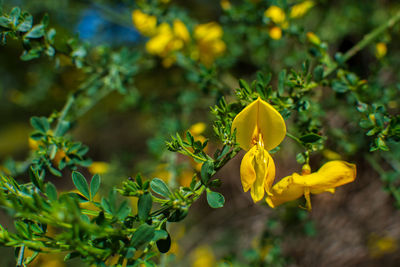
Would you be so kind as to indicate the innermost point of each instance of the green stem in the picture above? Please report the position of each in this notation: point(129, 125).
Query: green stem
point(294, 138)
point(367, 39)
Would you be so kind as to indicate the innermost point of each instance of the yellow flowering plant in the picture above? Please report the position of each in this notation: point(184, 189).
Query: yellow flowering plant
point(259, 128)
point(318, 104)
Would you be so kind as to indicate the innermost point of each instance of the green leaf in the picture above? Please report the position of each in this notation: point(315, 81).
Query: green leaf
point(81, 184)
point(5, 22)
point(62, 128)
point(159, 234)
point(41, 124)
point(318, 73)
point(31, 54)
point(164, 244)
point(14, 15)
point(207, 170)
point(158, 186)
point(26, 25)
point(36, 32)
point(142, 235)
point(144, 206)
point(300, 158)
point(123, 210)
point(215, 199)
point(94, 185)
point(34, 176)
point(339, 87)
point(51, 191)
point(244, 85)
point(281, 82)
point(310, 138)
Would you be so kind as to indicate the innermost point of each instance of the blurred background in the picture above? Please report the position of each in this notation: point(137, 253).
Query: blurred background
point(126, 133)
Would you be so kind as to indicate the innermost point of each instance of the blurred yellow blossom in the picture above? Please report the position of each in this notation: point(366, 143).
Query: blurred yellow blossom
point(299, 10)
point(378, 246)
point(145, 24)
point(331, 175)
point(313, 38)
point(203, 256)
point(99, 167)
point(225, 4)
point(259, 128)
point(276, 14)
point(197, 128)
point(209, 43)
point(331, 155)
point(168, 40)
point(380, 50)
point(275, 33)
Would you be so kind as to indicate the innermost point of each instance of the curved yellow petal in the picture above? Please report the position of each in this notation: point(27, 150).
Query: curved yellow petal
point(330, 175)
point(270, 175)
point(283, 191)
point(259, 117)
point(257, 172)
point(247, 172)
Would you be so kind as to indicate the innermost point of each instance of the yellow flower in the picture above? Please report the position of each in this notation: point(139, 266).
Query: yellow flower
point(99, 167)
point(326, 179)
point(209, 44)
point(167, 40)
point(259, 128)
point(380, 50)
point(180, 31)
point(313, 38)
point(301, 9)
point(378, 246)
point(275, 33)
point(145, 24)
point(225, 4)
point(197, 128)
point(203, 256)
point(276, 14)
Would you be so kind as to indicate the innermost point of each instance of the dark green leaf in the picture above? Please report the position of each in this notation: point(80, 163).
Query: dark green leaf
point(36, 32)
point(4, 22)
point(123, 210)
point(215, 199)
point(144, 206)
point(163, 245)
point(26, 25)
point(142, 235)
point(159, 234)
point(41, 124)
point(318, 73)
point(158, 186)
point(51, 191)
point(62, 128)
point(81, 184)
point(207, 170)
point(244, 85)
point(14, 15)
point(94, 185)
point(339, 87)
point(34, 176)
point(281, 82)
point(310, 138)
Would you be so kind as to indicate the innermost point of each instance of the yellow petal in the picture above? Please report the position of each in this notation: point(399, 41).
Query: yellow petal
point(257, 172)
point(332, 174)
point(247, 171)
point(181, 31)
point(259, 117)
point(301, 9)
point(270, 175)
point(283, 191)
point(145, 24)
point(276, 14)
